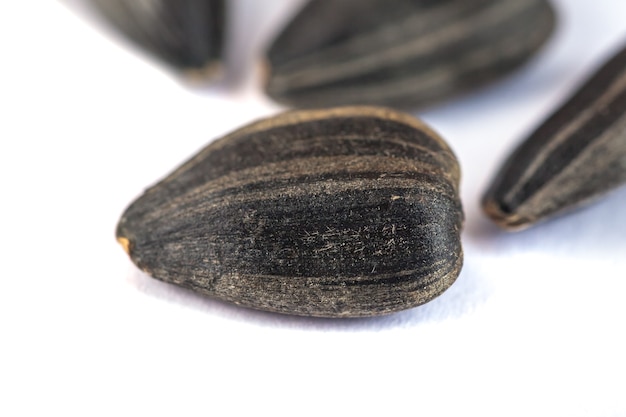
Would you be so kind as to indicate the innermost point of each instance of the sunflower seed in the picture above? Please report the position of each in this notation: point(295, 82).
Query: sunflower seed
point(576, 155)
point(343, 212)
point(186, 34)
point(402, 53)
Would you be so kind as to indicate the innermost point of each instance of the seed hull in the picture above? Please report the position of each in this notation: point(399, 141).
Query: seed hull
point(186, 34)
point(402, 53)
point(346, 212)
point(576, 155)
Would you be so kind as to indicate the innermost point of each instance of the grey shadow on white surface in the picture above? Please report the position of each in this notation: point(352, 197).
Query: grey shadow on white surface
point(465, 295)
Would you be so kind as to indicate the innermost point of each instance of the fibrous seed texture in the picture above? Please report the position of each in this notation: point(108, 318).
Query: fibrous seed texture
point(342, 212)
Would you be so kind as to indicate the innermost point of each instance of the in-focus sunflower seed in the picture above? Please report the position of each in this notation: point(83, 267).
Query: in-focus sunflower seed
point(186, 34)
point(575, 155)
point(401, 53)
point(343, 212)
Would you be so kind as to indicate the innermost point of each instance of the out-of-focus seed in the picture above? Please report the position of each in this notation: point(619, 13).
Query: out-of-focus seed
point(186, 34)
point(402, 53)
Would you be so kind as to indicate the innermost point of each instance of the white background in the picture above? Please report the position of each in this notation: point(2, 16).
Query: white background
point(534, 325)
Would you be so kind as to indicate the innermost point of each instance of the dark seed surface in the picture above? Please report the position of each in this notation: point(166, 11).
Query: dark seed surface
point(344, 212)
point(402, 53)
point(186, 34)
point(575, 155)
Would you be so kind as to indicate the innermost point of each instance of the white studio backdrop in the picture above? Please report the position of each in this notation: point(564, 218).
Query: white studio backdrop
point(533, 326)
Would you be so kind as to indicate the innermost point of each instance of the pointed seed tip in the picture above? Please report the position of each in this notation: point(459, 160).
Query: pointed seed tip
point(126, 245)
point(508, 221)
point(200, 76)
point(266, 72)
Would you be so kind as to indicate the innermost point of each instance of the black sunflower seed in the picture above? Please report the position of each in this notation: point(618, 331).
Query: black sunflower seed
point(186, 34)
point(343, 212)
point(402, 53)
point(576, 155)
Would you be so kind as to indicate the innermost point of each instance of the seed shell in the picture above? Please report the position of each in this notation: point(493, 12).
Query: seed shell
point(344, 212)
point(402, 53)
point(576, 155)
point(186, 34)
